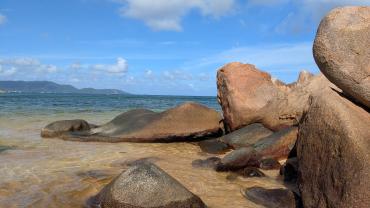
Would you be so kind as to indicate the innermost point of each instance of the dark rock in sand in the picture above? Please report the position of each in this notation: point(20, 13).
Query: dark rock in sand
point(251, 172)
point(213, 146)
point(277, 145)
point(211, 162)
point(272, 198)
point(342, 52)
point(333, 152)
point(5, 148)
point(59, 128)
point(246, 136)
point(238, 159)
point(183, 123)
point(290, 170)
point(146, 185)
point(269, 164)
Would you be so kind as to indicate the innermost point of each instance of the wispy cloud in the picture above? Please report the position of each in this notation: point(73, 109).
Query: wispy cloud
point(3, 19)
point(26, 65)
point(167, 15)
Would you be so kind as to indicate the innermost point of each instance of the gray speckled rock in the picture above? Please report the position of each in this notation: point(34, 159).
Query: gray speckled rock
point(342, 50)
point(146, 185)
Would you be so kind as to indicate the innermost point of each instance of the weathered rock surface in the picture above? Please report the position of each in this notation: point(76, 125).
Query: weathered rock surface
point(342, 52)
point(58, 128)
point(287, 109)
point(333, 152)
point(278, 145)
point(146, 185)
point(246, 136)
point(243, 90)
point(238, 159)
point(272, 198)
point(185, 122)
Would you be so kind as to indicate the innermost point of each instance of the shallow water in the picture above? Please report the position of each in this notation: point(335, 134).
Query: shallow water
point(38, 172)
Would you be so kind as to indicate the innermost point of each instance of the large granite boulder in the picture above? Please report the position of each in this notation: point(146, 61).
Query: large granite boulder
point(242, 91)
point(146, 185)
point(238, 159)
point(185, 122)
point(59, 128)
point(342, 52)
point(245, 136)
point(249, 96)
point(333, 150)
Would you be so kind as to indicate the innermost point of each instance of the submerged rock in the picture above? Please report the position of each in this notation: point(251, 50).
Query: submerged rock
point(211, 162)
point(185, 122)
point(272, 198)
point(269, 164)
point(146, 185)
point(59, 128)
point(246, 136)
point(242, 91)
point(342, 52)
point(213, 146)
point(247, 172)
point(333, 152)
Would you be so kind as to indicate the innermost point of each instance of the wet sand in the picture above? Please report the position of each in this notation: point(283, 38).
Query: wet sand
point(38, 172)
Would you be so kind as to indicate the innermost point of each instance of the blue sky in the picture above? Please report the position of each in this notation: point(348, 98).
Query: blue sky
point(156, 47)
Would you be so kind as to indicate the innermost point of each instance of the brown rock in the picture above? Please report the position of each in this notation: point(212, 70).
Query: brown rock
point(185, 122)
point(58, 128)
point(245, 136)
point(342, 52)
point(146, 185)
point(333, 152)
point(213, 146)
point(278, 145)
point(269, 164)
point(238, 159)
point(272, 198)
point(242, 91)
point(287, 109)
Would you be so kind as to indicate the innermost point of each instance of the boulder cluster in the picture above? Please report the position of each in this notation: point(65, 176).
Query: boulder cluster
point(319, 125)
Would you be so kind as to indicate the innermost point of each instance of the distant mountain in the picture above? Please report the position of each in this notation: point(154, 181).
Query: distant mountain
point(50, 87)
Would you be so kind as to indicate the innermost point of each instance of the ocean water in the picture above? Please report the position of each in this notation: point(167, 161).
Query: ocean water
point(37, 172)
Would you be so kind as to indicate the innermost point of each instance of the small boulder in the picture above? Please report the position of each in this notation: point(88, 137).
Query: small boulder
point(246, 136)
point(278, 145)
point(238, 159)
point(59, 128)
point(271, 198)
point(146, 185)
point(341, 50)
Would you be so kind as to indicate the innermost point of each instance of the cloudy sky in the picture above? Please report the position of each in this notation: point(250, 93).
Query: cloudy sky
point(156, 47)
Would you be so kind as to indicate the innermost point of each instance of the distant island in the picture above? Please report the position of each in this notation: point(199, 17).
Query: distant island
point(50, 87)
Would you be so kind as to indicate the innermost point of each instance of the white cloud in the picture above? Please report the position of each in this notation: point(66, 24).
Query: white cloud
point(282, 58)
point(11, 66)
point(75, 66)
point(120, 67)
point(3, 19)
point(167, 15)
